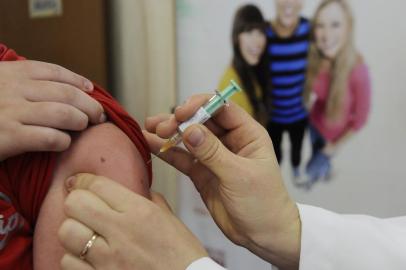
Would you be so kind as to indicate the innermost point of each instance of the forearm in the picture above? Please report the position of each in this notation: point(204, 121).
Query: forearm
point(281, 245)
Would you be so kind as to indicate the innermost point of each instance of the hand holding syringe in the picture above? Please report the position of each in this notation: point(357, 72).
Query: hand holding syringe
point(203, 114)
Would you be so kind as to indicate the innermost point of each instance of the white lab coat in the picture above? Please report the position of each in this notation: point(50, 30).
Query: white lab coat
point(351, 242)
point(332, 241)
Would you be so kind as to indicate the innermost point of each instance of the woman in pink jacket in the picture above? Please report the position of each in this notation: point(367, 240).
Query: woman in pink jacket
point(338, 82)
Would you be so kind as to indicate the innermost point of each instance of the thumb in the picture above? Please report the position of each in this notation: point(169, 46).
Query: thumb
point(209, 150)
point(80, 181)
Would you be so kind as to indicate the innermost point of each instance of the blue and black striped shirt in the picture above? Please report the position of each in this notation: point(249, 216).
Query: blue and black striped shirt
point(287, 66)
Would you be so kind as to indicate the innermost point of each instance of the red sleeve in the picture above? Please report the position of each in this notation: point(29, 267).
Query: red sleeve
point(24, 182)
point(361, 89)
point(7, 54)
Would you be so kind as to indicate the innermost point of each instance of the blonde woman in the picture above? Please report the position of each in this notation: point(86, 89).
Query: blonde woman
point(339, 80)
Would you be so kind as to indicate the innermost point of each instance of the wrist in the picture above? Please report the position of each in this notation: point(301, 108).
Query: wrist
point(280, 245)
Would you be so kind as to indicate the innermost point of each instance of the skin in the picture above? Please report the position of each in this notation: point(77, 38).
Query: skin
point(331, 30)
point(119, 211)
point(331, 34)
point(232, 165)
point(252, 46)
point(103, 150)
point(37, 100)
point(287, 16)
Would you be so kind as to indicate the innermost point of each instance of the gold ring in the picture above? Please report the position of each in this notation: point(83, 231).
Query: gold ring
point(89, 244)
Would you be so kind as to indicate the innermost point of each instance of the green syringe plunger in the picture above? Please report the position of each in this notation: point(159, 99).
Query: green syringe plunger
point(221, 98)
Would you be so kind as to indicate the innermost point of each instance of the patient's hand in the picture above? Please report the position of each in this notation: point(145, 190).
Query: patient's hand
point(37, 101)
point(101, 150)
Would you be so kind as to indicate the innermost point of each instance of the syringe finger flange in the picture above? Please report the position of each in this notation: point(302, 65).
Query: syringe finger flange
point(221, 97)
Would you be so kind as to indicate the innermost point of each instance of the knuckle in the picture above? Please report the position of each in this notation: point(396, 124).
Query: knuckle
point(52, 141)
point(92, 109)
point(211, 154)
point(64, 231)
point(82, 122)
point(13, 127)
point(102, 250)
point(63, 113)
point(26, 66)
point(70, 118)
point(99, 108)
point(148, 212)
point(75, 197)
point(69, 94)
point(12, 89)
point(55, 71)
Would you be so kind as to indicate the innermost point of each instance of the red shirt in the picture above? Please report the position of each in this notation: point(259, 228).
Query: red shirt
point(25, 180)
point(355, 109)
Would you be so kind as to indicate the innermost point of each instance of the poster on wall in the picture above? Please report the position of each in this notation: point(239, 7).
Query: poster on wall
point(331, 101)
point(45, 8)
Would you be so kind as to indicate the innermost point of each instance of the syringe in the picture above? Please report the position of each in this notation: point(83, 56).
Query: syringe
point(203, 114)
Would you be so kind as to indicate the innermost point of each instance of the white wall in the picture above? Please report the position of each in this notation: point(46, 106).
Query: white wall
point(370, 175)
point(370, 170)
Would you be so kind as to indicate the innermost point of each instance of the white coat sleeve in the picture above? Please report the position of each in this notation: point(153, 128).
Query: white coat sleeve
point(204, 264)
point(352, 242)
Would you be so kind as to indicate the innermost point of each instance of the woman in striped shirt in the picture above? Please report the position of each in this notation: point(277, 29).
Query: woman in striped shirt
point(288, 44)
point(339, 80)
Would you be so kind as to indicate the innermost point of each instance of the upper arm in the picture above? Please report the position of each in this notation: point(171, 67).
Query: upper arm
point(102, 150)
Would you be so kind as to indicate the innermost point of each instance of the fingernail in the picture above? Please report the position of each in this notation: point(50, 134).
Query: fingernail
point(196, 137)
point(89, 86)
point(69, 183)
point(103, 118)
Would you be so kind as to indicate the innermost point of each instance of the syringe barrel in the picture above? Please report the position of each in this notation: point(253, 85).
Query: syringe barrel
point(204, 113)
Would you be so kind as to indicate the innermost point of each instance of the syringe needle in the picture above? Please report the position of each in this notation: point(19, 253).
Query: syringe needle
point(150, 161)
point(155, 156)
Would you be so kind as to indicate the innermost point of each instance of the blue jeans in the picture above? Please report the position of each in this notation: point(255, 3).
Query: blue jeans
point(317, 140)
point(319, 166)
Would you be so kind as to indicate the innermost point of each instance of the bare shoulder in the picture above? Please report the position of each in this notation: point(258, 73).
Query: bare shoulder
point(102, 150)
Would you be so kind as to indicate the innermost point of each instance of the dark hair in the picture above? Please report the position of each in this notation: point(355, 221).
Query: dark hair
point(249, 18)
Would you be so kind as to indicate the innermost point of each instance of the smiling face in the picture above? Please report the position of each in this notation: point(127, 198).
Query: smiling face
point(288, 12)
point(331, 30)
point(252, 45)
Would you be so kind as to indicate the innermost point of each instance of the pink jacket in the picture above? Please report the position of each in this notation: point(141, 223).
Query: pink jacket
point(356, 105)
